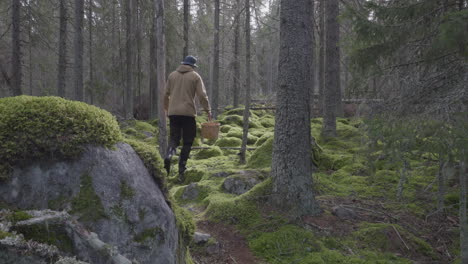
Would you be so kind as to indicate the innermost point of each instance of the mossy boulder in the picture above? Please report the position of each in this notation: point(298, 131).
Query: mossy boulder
point(267, 122)
point(38, 127)
point(233, 120)
point(261, 157)
point(107, 190)
point(264, 137)
point(229, 142)
point(225, 128)
point(193, 175)
point(213, 151)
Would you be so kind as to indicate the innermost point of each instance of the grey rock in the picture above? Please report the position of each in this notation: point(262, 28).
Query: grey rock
point(41, 184)
point(221, 174)
point(344, 213)
point(214, 249)
point(200, 238)
point(241, 183)
point(190, 192)
point(148, 134)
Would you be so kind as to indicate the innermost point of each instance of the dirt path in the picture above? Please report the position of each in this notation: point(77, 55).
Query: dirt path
point(231, 247)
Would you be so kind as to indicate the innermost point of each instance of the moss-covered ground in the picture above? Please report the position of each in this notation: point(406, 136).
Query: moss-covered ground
point(359, 170)
point(354, 170)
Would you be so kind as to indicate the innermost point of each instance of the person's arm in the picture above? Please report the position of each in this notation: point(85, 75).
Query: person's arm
point(167, 94)
point(203, 97)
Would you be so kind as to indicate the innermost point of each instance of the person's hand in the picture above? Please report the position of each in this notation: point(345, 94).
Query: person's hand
point(210, 117)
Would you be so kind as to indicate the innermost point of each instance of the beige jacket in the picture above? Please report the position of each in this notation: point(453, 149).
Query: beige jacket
point(181, 88)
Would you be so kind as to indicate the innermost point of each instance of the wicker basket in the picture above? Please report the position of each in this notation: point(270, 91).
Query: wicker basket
point(210, 130)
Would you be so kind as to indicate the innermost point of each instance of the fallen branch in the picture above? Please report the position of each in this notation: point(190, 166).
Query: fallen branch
point(232, 148)
point(398, 234)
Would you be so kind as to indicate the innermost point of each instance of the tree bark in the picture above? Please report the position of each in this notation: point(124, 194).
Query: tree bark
point(236, 81)
point(321, 61)
point(215, 81)
point(90, 90)
point(312, 59)
point(128, 98)
point(78, 69)
point(62, 60)
point(332, 90)
point(186, 27)
point(153, 65)
point(16, 75)
point(463, 216)
point(161, 73)
point(245, 130)
point(292, 158)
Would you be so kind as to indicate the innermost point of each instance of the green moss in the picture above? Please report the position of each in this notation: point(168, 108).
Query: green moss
point(267, 122)
point(229, 142)
point(261, 157)
point(37, 127)
point(58, 203)
point(150, 233)
point(208, 153)
point(233, 120)
point(119, 212)
point(329, 160)
point(264, 137)
point(87, 203)
point(287, 244)
point(193, 175)
point(453, 199)
point(152, 160)
point(4, 234)
point(225, 128)
point(379, 236)
point(51, 234)
point(185, 223)
point(19, 216)
point(126, 192)
point(237, 133)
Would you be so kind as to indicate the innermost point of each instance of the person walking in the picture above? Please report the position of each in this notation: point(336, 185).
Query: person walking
point(179, 104)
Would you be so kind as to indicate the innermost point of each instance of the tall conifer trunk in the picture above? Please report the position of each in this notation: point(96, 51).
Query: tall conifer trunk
point(62, 60)
point(291, 169)
point(16, 75)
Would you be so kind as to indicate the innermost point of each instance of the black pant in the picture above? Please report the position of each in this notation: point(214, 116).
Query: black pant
point(182, 127)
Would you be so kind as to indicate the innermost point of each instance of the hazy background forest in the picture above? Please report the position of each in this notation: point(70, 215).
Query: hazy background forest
point(410, 57)
point(354, 150)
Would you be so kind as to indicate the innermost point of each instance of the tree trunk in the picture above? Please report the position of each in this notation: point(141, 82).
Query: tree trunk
point(215, 81)
point(128, 105)
point(90, 39)
point(153, 74)
point(291, 169)
point(441, 185)
point(186, 27)
point(62, 60)
point(312, 59)
point(78, 69)
point(161, 73)
point(138, 44)
point(16, 67)
point(245, 131)
point(236, 81)
point(332, 90)
point(321, 71)
point(463, 216)
point(31, 67)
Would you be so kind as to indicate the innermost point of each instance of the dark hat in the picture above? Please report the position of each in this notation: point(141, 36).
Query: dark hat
point(190, 60)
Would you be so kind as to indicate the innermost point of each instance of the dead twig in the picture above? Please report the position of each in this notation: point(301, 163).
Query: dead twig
point(399, 236)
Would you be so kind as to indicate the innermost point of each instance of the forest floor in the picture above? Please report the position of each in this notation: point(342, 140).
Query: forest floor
point(362, 219)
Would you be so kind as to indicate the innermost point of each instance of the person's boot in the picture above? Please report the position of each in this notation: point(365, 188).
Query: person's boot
point(167, 160)
point(182, 168)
